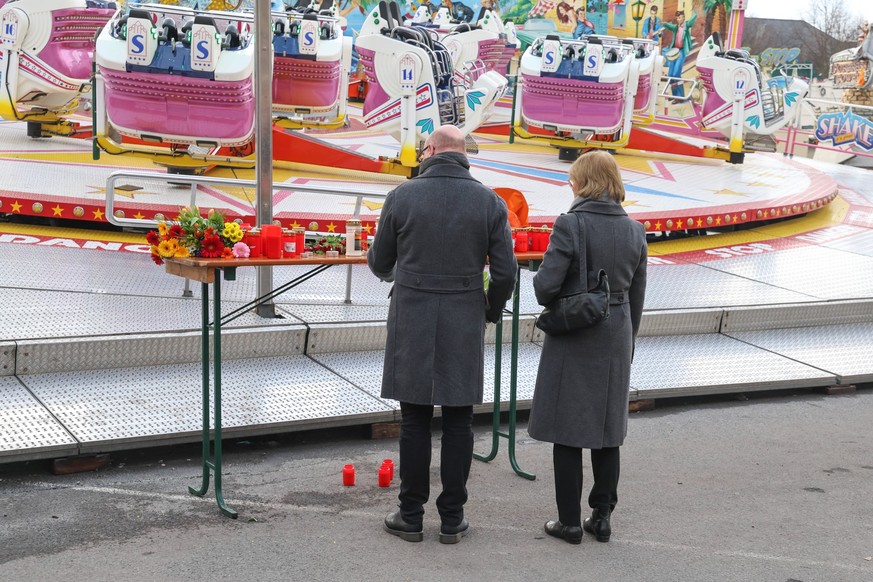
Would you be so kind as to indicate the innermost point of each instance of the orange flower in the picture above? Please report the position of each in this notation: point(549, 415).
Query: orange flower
point(227, 253)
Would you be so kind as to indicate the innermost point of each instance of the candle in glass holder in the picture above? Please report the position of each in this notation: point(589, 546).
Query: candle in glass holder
point(253, 239)
point(300, 239)
point(289, 240)
point(521, 240)
point(353, 237)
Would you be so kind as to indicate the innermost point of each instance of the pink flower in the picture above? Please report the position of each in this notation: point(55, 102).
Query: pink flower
point(241, 250)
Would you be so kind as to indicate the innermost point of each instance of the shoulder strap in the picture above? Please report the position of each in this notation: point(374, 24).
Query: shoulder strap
point(583, 251)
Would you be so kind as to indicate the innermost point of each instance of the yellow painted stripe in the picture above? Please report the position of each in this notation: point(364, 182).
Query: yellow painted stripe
point(81, 158)
point(830, 215)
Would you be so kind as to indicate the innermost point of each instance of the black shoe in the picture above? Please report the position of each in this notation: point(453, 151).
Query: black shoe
point(395, 525)
point(571, 534)
point(598, 524)
point(452, 534)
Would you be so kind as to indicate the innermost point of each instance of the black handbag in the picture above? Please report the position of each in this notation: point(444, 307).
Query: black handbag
point(578, 310)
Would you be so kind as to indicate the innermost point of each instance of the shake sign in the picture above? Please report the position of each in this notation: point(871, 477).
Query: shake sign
point(845, 129)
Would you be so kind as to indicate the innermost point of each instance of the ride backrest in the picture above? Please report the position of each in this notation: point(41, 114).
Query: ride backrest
point(394, 9)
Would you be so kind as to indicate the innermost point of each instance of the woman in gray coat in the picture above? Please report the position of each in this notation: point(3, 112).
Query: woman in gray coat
point(581, 396)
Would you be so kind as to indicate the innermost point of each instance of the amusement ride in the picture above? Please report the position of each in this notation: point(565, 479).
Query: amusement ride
point(175, 84)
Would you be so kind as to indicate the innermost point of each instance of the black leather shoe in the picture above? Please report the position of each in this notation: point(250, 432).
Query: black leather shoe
point(570, 534)
point(452, 534)
point(598, 524)
point(395, 525)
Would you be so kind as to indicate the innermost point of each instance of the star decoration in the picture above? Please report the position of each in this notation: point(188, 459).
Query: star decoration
point(98, 214)
point(124, 190)
point(699, 222)
point(735, 217)
point(658, 225)
point(717, 220)
point(372, 205)
point(295, 224)
point(57, 210)
point(678, 224)
point(16, 207)
point(139, 215)
point(331, 227)
point(368, 228)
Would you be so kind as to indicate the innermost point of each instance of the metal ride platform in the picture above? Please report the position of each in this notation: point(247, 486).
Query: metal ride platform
point(99, 350)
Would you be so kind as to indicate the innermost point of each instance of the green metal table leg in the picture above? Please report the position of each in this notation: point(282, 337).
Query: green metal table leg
point(204, 357)
point(208, 463)
point(216, 363)
point(513, 378)
point(495, 418)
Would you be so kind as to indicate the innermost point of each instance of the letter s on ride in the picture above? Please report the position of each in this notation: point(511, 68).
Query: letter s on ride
point(203, 50)
point(137, 43)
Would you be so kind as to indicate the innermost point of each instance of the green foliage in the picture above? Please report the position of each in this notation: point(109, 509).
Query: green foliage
point(711, 5)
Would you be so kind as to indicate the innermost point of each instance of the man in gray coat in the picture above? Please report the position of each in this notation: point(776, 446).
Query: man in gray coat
point(436, 233)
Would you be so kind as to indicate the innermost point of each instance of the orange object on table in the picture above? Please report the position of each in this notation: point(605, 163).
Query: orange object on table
point(517, 205)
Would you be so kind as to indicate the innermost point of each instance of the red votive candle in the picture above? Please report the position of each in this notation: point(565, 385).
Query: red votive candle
point(384, 476)
point(253, 239)
point(348, 475)
point(521, 241)
point(390, 465)
point(271, 239)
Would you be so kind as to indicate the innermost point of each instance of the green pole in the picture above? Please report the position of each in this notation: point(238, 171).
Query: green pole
point(204, 359)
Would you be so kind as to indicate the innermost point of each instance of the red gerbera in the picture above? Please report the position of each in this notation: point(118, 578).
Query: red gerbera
point(212, 247)
point(152, 238)
point(157, 259)
point(176, 231)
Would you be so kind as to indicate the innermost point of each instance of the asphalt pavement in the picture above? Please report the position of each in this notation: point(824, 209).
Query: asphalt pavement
point(773, 488)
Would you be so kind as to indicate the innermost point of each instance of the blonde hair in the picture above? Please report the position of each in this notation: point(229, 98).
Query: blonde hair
point(596, 175)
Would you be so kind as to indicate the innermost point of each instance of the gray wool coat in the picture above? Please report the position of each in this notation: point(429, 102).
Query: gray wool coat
point(581, 395)
point(435, 233)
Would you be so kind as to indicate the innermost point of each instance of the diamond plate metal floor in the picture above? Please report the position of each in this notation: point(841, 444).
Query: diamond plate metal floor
point(98, 349)
point(129, 407)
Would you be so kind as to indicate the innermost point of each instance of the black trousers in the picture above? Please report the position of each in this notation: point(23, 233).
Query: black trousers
point(605, 465)
point(456, 456)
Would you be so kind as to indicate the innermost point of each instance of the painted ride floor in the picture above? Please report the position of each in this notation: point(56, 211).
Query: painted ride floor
point(58, 178)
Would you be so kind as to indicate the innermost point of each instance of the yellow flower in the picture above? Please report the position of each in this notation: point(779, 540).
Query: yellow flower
point(168, 248)
point(162, 228)
point(182, 252)
point(233, 232)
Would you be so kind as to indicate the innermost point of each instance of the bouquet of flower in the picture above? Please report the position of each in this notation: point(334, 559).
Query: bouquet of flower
point(192, 235)
point(331, 242)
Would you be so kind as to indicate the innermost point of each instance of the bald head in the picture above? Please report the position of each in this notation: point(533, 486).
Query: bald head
point(447, 138)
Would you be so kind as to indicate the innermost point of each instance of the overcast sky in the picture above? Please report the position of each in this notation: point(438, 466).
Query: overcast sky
point(796, 9)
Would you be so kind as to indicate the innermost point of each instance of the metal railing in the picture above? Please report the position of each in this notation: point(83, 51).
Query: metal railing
point(195, 181)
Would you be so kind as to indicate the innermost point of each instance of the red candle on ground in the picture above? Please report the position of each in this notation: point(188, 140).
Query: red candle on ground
point(349, 475)
point(384, 476)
